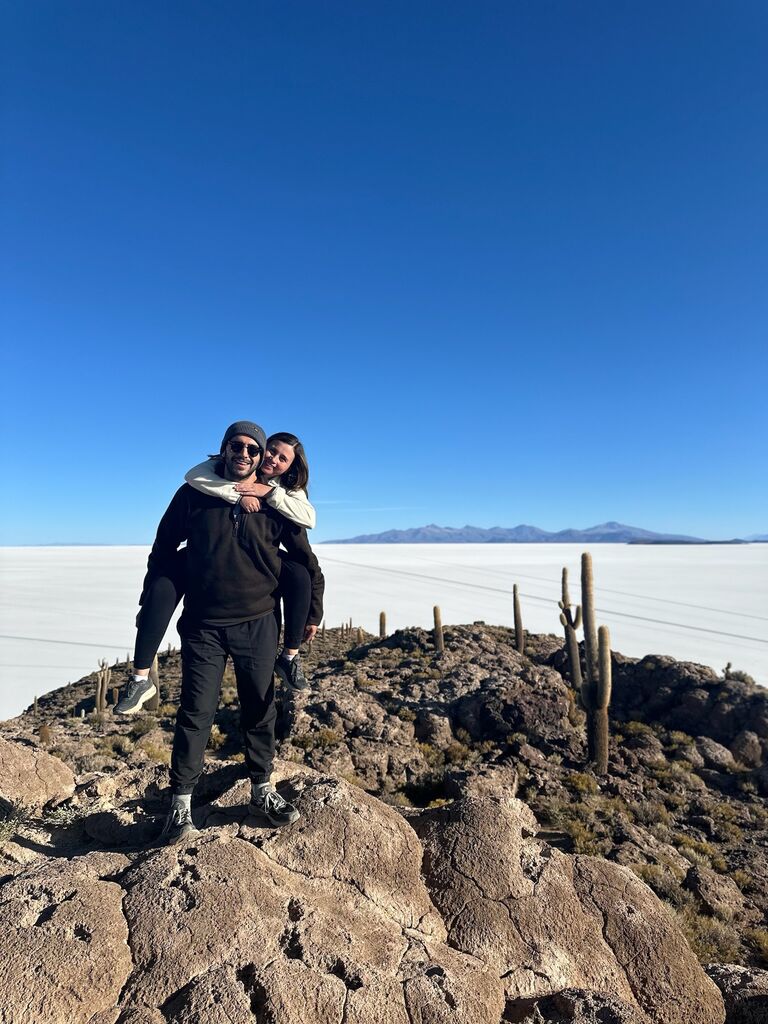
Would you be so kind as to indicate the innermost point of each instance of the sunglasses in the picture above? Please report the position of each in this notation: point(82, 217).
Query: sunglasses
point(237, 447)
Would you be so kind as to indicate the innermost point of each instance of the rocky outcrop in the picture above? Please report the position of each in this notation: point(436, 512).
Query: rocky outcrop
point(545, 921)
point(32, 778)
point(456, 916)
point(693, 699)
point(64, 940)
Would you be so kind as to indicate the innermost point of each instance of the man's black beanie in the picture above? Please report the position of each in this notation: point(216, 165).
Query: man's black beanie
point(248, 429)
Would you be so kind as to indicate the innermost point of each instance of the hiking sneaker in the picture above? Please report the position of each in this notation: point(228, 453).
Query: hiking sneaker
point(271, 805)
point(291, 673)
point(137, 693)
point(178, 825)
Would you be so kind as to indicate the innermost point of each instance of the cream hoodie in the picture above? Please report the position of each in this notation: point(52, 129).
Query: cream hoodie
point(294, 505)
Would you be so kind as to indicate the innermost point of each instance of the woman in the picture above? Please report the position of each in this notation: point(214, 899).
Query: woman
point(283, 476)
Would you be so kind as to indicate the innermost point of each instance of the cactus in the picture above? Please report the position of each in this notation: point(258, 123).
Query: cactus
point(36, 708)
point(115, 695)
point(103, 677)
point(382, 624)
point(153, 703)
point(600, 712)
point(322, 630)
point(588, 606)
point(519, 631)
point(571, 622)
point(359, 634)
point(439, 643)
point(596, 687)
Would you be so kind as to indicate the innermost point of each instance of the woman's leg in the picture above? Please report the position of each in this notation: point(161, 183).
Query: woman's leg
point(160, 602)
point(296, 593)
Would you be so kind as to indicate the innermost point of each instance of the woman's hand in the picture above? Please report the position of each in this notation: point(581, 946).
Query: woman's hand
point(250, 504)
point(253, 490)
point(309, 633)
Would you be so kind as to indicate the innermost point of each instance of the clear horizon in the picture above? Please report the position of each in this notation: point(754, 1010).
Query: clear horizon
point(495, 264)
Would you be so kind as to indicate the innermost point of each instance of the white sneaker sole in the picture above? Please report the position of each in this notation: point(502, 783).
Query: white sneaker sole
point(142, 701)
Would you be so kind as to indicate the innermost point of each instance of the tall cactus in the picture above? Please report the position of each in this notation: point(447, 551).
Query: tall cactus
point(519, 631)
point(596, 687)
point(600, 712)
point(103, 677)
point(382, 624)
point(588, 606)
point(571, 621)
point(439, 642)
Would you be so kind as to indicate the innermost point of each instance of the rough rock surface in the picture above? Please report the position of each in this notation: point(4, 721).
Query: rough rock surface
point(350, 914)
point(64, 941)
point(745, 990)
point(545, 921)
point(418, 729)
point(575, 1006)
point(32, 777)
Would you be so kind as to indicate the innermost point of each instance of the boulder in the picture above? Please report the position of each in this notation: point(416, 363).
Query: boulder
point(545, 921)
point(32, 777)
point(716, 756)
point(575, 1006)
point(747, 749)
point(745, 991)
point(64, 941)
point(719, 894)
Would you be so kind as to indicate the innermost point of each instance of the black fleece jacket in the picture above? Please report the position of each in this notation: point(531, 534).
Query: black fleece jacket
point(232, 558)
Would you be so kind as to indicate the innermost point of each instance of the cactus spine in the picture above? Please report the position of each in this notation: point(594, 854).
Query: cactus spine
point(439, 643)
point(519, 632)
point(571, 621)
point(382, 624)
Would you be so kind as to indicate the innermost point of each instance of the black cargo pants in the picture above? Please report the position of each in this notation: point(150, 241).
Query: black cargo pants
point(204, 650)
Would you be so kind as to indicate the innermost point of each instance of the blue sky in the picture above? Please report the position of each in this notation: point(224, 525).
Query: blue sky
point(494, 262)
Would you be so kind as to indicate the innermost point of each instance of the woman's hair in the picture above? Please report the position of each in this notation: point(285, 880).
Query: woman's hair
point(296, 477)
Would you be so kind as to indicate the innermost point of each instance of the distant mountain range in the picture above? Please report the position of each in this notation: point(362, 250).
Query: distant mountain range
point(605, 533)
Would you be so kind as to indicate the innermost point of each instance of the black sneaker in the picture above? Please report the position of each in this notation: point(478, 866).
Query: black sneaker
point(291, 673)
point(137, 693)
point(178, 825)
point(272, 806)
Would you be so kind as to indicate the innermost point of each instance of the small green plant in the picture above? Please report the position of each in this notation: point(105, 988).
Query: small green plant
point(741, 677)
point(434, 757)
point(700, 852)
point(117, 745)
point(709, 938)
point(217, 738)
point(634, 728)
point(406, 715)
point(582, 783)
point(457, 753)
point(12, 821)
point(141, 726)
point(156, 752)
point(757, 938)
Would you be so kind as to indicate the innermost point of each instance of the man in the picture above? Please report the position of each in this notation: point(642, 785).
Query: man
point(232, 571)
